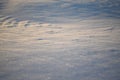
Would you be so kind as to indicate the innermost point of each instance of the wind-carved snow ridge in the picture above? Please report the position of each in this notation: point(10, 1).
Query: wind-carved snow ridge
point(7, 21)
point(27, 32)
point(59, 36)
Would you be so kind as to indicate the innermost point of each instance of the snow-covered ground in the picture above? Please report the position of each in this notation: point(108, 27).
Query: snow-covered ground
point(86, 50)
point(59, 39)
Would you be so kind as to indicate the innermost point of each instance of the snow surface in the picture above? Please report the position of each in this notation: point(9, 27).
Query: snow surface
point(88, 50)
